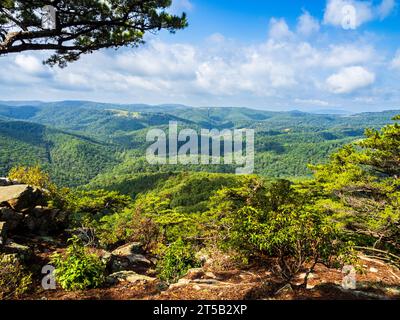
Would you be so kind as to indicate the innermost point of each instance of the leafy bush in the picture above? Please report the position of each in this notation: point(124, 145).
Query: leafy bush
point(278, 221)
point(78, 269)
point(362, 182)
point(14, 279)
point(176, 260)
point(127, 226)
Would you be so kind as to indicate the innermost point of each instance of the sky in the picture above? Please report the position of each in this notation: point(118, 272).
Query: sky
point(273, 55)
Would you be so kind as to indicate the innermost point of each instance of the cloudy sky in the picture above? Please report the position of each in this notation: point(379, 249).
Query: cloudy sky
point(276, 55)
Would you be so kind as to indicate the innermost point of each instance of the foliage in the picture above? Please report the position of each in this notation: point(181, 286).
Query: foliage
point(176, 260)
point(129, 225)
point(362, 181)
point(33, 176)
point(15, 280)
point(256, 219)
point(96, 202)
point(77, 269)
point(108, 24)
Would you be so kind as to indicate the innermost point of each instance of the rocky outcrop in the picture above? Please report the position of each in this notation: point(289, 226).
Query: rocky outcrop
point(22, 252)
point(127, 257)
point(128, 276)
point(21, 198)
point(6, 182)
point(44, 221)
point(23, 209)
point(13, 218)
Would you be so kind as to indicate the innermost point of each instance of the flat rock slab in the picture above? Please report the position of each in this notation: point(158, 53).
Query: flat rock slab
point(20, 197)
point(128, 249)
point(129, 276)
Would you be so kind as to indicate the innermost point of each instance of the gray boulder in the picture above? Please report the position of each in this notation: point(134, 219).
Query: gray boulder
point(23, 252)
point(127, 257)
point(128, 276)
point(12, 218)
point(22, 197)
point(45, 221)
point(128, 249)
point(5, 182)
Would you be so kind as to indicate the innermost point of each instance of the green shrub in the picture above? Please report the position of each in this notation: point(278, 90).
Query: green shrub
point(129, 225)
point(14, 279)
point(176, 260)
point(277, 221)
point(78, 269)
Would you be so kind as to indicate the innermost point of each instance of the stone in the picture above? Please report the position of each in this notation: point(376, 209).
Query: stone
point(373, 270)
point(179, 284)
point(285, 289)
point(120, 263)
point(126, 257)
point(128, 249)
point(3, 232)
point(12, 218)
point(194, 273)
point(5, 182)
point(44, 221)
point(23, 252)
point(21, 198)
point(128, 276)
point(210, 275)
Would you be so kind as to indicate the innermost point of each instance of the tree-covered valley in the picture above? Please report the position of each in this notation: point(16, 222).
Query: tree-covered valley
point(77, 142)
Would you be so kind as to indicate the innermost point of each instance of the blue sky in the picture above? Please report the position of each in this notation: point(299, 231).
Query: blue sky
point(276, 55)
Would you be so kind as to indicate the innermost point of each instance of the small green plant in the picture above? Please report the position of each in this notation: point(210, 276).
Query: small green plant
point(78, 269)
point(14, 279)
point(176, 260)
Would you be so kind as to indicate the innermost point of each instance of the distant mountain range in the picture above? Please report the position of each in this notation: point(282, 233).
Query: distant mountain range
point(78, 141)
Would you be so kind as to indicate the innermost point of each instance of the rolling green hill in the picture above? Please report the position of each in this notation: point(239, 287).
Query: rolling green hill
point(78, 141)
point(71, 159)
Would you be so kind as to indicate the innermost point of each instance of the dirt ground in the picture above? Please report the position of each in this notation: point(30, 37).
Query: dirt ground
point(377, 281)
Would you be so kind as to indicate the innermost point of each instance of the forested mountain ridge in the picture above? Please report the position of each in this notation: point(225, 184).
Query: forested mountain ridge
point(110, 139)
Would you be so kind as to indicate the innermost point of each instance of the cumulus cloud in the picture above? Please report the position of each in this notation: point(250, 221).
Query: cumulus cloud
point(350, 79)
point(348, 54)
point(354, 13)
point(29, 63)
point(279, 29)
point(286, 70)
point(307, 24)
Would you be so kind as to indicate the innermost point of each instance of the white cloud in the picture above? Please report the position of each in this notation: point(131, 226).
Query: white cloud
point(29, 63)
point(344, 55)
point(350, 79)
point(307, 24)
point(337, 12)
point(286, 70)
point(278, 29)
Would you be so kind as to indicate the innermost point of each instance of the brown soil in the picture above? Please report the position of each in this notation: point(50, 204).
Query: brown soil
point(377, 281)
